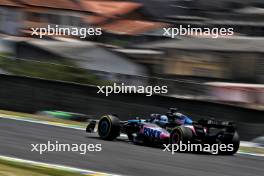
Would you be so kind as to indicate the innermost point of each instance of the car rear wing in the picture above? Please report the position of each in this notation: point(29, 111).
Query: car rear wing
point(212, 123)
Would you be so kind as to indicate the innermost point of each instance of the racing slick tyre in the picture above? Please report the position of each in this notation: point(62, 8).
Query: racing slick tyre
point(235, 141)
point(109, 127)
point(182, 134)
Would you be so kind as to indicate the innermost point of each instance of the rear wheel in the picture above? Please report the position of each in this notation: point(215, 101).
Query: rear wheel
point(109, 127)
point(234, 145)
point(182, 134)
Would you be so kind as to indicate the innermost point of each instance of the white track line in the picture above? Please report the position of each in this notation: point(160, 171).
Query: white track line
point(56, 166)
point(24, 119)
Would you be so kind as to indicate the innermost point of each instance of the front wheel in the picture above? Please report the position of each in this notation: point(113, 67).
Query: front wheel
point(109, 127)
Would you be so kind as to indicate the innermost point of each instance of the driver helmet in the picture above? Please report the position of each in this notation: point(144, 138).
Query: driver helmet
point(179, 115)
point(180, 118)
point(163, 119)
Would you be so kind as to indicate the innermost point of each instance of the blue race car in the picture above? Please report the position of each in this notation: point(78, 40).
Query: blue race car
point(170, 128)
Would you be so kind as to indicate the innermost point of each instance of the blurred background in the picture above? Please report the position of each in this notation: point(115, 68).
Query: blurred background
point(206, 77)
point(133, 50)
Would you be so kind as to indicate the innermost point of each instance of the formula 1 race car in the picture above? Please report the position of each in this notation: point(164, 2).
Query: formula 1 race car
point(171, 128)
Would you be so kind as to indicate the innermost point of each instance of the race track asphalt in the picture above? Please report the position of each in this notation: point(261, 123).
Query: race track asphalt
point(119, 157)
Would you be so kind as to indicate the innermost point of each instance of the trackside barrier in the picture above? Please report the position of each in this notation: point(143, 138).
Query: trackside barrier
point(31, 95)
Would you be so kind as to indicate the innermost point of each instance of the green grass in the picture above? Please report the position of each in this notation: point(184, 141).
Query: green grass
point(44, 118)
point(5, 54)
point(8, 168)
point(62, 69)
point(251, 150)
